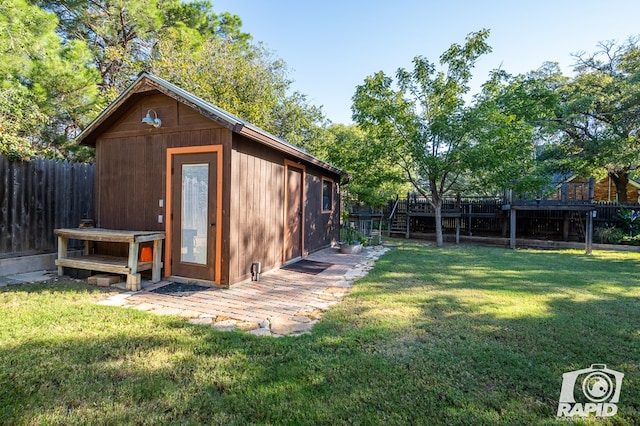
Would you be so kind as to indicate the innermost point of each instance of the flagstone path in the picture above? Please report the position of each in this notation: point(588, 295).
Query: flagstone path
point(282, 303)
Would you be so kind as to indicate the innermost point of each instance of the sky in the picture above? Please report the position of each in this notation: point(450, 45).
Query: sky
point(331, 46)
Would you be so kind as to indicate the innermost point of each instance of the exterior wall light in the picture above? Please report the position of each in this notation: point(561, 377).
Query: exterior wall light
point(155, 122)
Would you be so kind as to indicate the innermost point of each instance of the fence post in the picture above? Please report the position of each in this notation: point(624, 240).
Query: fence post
point(512, 242)
point(589, 232)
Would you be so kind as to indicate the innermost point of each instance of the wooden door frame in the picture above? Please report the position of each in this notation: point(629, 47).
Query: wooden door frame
point(169, 221)
point(287, 164)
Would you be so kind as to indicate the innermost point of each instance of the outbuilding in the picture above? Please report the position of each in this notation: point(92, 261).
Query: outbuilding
point(227, 194)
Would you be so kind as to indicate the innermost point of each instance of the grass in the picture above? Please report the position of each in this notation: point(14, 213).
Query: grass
point(460, 335)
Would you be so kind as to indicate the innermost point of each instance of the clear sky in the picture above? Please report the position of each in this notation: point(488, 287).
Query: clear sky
point(330, 46)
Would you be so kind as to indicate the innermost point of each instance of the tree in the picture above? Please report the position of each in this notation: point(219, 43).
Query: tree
point(598, 118)
point(122, 34)
point(193, 47)
point(242, 78)
point(508, 126)
point(46, 88)
point(373, 179)
point(421, 126)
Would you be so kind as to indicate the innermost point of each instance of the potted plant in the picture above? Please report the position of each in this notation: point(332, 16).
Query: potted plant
point(350, 242)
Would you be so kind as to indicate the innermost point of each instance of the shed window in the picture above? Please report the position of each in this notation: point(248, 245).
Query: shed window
point(327, 195)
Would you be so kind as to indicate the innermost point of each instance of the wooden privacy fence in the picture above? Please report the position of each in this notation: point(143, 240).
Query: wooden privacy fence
point(39, 196)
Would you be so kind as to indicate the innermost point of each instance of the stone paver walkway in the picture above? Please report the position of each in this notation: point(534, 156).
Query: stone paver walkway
point(282, 303)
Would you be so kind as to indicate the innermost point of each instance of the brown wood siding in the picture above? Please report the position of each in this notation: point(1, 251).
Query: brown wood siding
point(321, 229)
point(131, 163)
point(256, 207)
point(605, 190)
point(131, 179)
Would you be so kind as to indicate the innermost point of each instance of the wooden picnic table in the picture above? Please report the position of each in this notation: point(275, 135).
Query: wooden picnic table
point(129, 266)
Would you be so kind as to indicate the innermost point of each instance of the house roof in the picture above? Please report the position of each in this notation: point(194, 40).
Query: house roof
point(150, 82)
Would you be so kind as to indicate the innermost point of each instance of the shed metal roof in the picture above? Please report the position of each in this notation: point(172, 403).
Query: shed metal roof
point(89, 134)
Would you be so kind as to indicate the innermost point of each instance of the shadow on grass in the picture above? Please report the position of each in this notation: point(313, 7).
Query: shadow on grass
point(426, 340)
point(58, 285)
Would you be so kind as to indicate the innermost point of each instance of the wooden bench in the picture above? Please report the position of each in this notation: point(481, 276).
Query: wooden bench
point(129, 266)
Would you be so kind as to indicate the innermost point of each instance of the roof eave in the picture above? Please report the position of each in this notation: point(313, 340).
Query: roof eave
point(206, 109)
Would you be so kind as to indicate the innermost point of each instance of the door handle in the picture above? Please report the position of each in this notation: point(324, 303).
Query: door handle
point(212, 224)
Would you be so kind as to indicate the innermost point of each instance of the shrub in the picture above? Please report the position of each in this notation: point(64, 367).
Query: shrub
point(610, 235)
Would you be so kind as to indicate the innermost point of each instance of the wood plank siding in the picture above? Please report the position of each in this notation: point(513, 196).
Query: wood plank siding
point(257, 203)
point(132, 175)
point(130, 166)
point(321, 228)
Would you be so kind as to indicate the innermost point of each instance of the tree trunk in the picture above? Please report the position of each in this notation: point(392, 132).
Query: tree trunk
point(437, 205)
point(621, 180)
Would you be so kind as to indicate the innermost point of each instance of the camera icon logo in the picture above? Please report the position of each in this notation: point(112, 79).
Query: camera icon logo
point(590, 391)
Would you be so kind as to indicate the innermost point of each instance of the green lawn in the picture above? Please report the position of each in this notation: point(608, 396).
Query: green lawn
point(460, 335)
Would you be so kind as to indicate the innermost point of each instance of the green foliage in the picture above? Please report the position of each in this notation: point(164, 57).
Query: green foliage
point(374, 180)
point(597, 117)
point(349, 234)
point(241, 78)
point(505, 124)
point(630, 220)
point(242, 81)
point(47, 88)
point(421, 125)
point(610, 235)
point(66, 84)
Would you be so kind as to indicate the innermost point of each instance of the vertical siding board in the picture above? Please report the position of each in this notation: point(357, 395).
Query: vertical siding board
point(141, 197)
point(276, 214)
point(262, 214)
point(89, 188)
point(242, 224)
point(234, 220)
point(152, 182)
point(267, 208)
point(278, 211)
point(252, 223)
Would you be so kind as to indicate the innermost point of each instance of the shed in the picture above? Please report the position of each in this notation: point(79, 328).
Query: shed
point(226, 193)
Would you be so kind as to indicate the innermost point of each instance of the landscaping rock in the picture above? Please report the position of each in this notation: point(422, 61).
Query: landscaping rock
point(201, 321)
point(165, 310)
point(189, 314)
point(321, 305)
point(264, 323)
point(225, 325)
point(144, 307)
point(247, 325)
point(285, 327)
point(261, 332)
